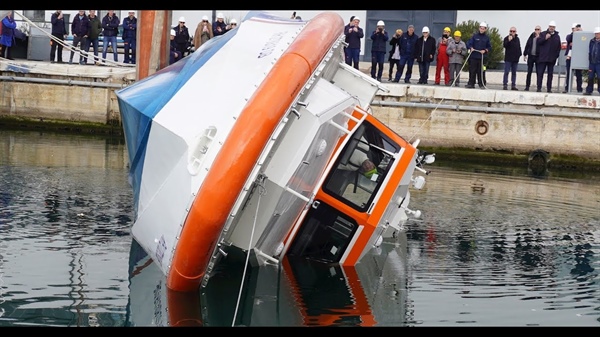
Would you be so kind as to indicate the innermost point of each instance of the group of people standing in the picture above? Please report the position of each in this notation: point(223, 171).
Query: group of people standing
point(406, 48)
point(451, 54)
point(86, 30)
point(180, 36)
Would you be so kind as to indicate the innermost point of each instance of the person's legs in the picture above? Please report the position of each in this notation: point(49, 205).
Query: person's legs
point(105, 40)
point(356, 57)
point(513, 69)
point(568, 66)
point(530, 63)
point(380, 62)
point(505, 76)
point(472, 72)
point(438, 71)
point(373, 64)
point(75, 42)
point(550, 75)
point(446, 69)
point(59, 49)
point(426, 65)
point(133, 50)
point(86, 48)
point(113, 41)
point(540, 74)
point(400, 68)
point(579, 79)
point(126, 50)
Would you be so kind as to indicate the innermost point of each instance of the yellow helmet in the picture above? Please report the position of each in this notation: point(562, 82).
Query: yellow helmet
point(447, 29)
point(457, 33)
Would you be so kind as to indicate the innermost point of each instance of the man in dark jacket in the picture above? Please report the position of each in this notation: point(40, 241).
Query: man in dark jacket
point(530, 55)
point(380, 38)
point(479, 44)
point(512, 54)
point(80, 27)
point(59, 32)
point(353, 35)
point(129, 36)
point(424, 52)
point(407, 47)
point(548, 44)
point(110, 26)
point(93, 39)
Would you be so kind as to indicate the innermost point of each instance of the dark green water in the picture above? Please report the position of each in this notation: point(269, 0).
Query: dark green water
point(496, 246)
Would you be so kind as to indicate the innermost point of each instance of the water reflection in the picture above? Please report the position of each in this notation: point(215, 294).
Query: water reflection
point(495, 246)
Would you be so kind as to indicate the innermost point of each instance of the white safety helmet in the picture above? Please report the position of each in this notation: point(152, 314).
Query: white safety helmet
point(380, 23)
point(205, 18)
point(425, 29)
point(596, 30)
point(173, 32)
point(233, 21)
point(220, 16)
point(552, 23)
point(483, 24)
point(181, 19)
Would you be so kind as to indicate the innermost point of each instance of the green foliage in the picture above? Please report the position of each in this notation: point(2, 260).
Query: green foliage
point(468, 28)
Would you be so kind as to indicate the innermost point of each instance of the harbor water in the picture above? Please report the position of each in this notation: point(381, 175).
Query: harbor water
point(495, 246)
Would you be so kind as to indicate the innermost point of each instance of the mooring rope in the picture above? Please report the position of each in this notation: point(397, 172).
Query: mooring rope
point(261, 192)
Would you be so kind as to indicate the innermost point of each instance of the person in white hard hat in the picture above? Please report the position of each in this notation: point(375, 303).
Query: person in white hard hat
point(378, 50)
point(594, 67)
point(203, 33)
point(175, 54)
point(424, 54)
point(219, 26)
point(549, 46)
point(232, 24)
point(182, 37)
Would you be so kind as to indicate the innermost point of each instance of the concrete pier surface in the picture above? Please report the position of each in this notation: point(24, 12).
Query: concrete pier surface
point(491, 119)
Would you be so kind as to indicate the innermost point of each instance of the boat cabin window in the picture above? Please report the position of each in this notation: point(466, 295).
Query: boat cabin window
point(361, 167)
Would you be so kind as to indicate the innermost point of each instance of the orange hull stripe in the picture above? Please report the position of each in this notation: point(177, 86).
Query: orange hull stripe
point(240, 152)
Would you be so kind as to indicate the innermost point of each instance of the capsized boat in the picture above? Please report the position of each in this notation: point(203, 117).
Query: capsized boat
point(262, 140)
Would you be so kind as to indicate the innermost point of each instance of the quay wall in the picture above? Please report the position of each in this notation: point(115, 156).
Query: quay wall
point(515, 122)
point(509, 121)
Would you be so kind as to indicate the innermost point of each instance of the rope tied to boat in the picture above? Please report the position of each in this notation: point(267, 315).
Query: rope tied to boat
point(260, 185)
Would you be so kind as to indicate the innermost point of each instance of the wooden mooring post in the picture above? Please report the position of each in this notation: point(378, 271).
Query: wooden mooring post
point(153, 31)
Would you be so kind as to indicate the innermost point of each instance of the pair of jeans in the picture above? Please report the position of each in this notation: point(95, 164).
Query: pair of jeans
point(94, 43)
point(510, 67)
point(112, 40)
point(377, 60)
point(424, 71)
point(593, 71)
point(407, 61)
point(129, 50)
point(352, 57)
